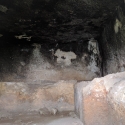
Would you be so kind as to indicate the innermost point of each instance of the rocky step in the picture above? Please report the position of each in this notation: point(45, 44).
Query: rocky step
point(37, 96)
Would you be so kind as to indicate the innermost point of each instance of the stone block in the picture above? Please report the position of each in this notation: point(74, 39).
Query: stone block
point(101, 101)
point(92, 107)
point(116, 100)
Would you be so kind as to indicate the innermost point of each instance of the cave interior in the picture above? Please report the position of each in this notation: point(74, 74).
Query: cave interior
point(43, 42)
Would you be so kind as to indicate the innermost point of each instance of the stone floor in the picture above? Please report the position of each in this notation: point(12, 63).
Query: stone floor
point(37, 119)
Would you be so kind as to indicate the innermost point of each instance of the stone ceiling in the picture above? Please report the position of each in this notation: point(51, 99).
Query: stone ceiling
point(55, 20)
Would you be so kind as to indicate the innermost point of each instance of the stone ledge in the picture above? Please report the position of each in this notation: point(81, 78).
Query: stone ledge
point(25, 97)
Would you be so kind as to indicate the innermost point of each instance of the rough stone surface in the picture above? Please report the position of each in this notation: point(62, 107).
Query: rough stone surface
point(101, 101)
point(42, 27)
point(113, 44)
point(22, 63)
point(116, 99)
point(33, 97)
point(79, 98)
point(65, 57)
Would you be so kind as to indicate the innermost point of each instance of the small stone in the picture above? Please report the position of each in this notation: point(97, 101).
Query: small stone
point(44, 111)
point(54, 111)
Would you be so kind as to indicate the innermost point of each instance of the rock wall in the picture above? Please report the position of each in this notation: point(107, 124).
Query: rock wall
point(36, 61)
point(37, 37)
point(113, 43)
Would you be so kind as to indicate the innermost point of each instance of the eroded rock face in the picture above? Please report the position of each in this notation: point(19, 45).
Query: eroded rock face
point(113, 45)
point(101, 101)
point(36, 62)
point(43, 27)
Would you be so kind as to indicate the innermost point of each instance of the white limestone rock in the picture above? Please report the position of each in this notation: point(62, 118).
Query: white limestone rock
point(65, 57)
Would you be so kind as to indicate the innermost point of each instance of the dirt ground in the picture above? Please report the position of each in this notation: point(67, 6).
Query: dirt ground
point(37, 119)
